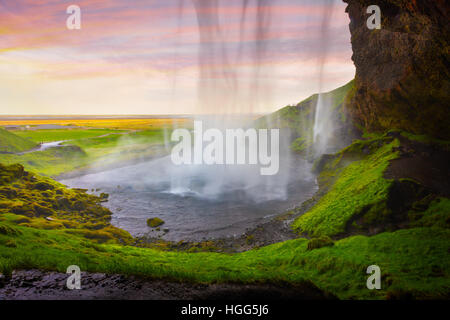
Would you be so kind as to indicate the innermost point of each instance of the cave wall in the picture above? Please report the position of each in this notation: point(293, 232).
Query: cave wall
point(402, 70)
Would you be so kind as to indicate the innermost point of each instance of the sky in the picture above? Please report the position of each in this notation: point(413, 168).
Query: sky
point(170, 56)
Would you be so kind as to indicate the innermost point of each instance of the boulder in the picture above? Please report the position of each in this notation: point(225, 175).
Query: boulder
point(155, 222)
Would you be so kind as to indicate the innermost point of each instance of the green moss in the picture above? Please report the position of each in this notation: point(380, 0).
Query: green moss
point(249, 239)
point(353, 187)
point(414, 262)
point(154, 222)
point(41, 203)
point(316, 243)
point(407, 259)
point(301, 145)
point(11, 243)
point(426, 139)
point(9, 231)
point(437, 213)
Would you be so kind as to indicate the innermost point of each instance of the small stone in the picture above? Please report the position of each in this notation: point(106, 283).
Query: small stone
point(155, 222)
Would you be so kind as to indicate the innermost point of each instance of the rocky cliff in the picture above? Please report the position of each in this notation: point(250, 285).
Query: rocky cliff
point(402, 70)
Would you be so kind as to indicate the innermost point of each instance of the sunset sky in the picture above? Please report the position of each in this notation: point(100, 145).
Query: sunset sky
point(145, 56)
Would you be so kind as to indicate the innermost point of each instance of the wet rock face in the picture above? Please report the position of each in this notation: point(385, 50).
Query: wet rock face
point(402, 70)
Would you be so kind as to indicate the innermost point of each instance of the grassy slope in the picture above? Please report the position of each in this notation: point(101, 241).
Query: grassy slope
point(358, 197)
point(9, 142)
point(300, 118)
point(412, 260)
point(50, 162)
point(360, 184)
point(85, 148)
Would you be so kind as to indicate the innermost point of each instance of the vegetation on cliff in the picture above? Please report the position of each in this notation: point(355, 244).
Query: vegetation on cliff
point(352, 188)
point(41, 203)
point(299, 120)
point(358, 198)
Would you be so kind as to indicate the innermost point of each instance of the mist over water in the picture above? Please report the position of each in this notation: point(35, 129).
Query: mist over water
point(227, 88)
point(234, 81)
point(231, 82)
point(190, 200)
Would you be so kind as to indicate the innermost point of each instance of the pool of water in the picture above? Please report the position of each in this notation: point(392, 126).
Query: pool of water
point(201, 202)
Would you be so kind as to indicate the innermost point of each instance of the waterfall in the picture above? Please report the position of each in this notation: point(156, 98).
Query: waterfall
point(323, 124)
point(233, 82)
point(236, 78)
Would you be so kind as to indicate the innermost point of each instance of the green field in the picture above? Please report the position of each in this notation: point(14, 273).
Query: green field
point(40, 136)
point(86, 147)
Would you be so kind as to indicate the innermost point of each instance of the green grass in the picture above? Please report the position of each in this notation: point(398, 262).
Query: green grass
point(123, 148)
point(81, 151)
point(414, 261)
point(9, 142)
point(154, 136)
point(357, 186)
point(50, 135)
point(50, 162)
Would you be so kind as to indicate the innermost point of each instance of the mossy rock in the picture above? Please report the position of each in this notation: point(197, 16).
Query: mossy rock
point(43, 211)
point(25, 210)
point(321, 242)
point(10, 173)
point(155, 222)
point(43, 186)
point(8, 192)
point(104, 197)
point(79, 205)
point(9, 231)
point(63, 203)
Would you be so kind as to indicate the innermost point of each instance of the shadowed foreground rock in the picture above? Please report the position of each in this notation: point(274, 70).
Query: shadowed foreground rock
point(39, 285)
